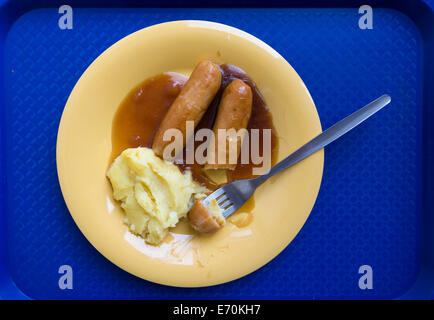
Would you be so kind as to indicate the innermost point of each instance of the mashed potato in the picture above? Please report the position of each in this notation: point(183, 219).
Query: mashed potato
point(154, 193)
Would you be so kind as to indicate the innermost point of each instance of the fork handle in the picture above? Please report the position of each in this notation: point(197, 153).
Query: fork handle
point(328, 136)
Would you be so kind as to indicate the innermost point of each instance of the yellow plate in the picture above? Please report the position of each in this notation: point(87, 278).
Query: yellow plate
point(84, 144)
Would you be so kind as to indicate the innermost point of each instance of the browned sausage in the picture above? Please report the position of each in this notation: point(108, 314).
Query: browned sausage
point(206, 220)
point(233, 113)
point(191, 103)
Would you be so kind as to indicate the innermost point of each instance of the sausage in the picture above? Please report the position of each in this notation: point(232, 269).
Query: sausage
point(191, 103)
point(234, 112)
point(206, 220)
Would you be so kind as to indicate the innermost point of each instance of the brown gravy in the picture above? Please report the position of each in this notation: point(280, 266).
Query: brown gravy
point(138, 117)
point(141, 112)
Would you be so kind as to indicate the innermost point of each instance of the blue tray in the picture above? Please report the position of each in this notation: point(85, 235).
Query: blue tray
point(374, 205)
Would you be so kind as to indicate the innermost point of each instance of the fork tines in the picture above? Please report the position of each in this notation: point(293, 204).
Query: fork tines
point(222, 200)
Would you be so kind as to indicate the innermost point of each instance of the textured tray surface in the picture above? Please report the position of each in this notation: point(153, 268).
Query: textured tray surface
point(367, 211)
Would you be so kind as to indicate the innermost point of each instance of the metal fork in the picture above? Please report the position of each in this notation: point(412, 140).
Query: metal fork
point(233, 195)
